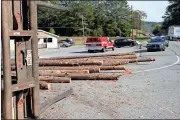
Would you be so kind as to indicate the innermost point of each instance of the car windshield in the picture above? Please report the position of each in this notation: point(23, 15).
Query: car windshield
point(157, 40)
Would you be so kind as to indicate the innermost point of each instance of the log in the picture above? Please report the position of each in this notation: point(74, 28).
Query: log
point(141, 60)
point(91, 69)
point(66, 62)
point(108, 67)
point(50, 79)
point(88, 56)
point(65, 71)
point(146, 60)
point(112, 68)
point(85, 76)
point(115, 63)
point(95, 76)
point(120, 57)
point(44, 86)
point(63, 63)
point(53, 79)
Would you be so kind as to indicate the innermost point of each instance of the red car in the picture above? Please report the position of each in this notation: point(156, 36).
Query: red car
point(99, 44)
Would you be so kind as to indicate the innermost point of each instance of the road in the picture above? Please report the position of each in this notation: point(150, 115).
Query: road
point(77, 50)
point(151, 92)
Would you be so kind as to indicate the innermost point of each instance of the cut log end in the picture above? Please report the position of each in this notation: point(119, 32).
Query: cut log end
point(44, 86)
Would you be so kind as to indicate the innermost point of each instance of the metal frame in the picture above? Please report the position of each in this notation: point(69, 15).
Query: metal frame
point(19, 22)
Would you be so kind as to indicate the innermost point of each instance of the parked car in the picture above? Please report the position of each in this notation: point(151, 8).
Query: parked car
point(65, 43)
point(166, 40)
point(156, 43)
point(124, 42)
point(99, 44)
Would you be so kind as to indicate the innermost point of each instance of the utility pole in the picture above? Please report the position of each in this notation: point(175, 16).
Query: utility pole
point(132, 21)
point(83, 25)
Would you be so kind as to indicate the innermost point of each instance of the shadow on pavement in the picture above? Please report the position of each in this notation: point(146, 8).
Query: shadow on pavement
point(143, 51)
point(80, 52)
point(140, 51)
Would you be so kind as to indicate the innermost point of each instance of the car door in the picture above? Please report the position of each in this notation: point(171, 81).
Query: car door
point(125, 42)
point(118, 42)
point(109, 42)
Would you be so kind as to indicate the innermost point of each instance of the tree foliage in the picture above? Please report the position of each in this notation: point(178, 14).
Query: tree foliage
point(97, 18)
point(156, 29)
point(172, 14)
point(52, 31)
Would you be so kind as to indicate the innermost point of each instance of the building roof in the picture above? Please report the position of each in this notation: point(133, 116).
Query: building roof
point(51, 34)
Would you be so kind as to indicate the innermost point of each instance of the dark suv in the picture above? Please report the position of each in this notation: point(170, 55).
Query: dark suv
point(156, 43)
point(124, 42)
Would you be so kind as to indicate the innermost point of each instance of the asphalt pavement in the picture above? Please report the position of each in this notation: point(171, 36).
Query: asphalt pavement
point(152, 91)
point(77, 50)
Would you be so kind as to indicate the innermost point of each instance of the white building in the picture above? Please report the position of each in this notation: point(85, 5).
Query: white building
point(47, 40)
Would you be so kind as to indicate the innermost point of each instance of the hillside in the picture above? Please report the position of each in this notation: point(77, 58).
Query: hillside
point(147, 26)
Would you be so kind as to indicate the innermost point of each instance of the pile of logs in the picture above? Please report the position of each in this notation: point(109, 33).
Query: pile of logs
point(65, 69)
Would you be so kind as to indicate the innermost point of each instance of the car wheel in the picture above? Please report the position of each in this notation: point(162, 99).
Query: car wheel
point(89, 51)
point(63, 45)
point(119, 46)
point(148, 50)
point(112, 48)
point(131, 45)
point(103, 50)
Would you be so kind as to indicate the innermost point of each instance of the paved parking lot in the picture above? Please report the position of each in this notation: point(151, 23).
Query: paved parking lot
point(77, 50)
point(152, 91)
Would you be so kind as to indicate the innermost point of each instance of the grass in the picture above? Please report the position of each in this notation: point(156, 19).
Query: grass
point(142, 40)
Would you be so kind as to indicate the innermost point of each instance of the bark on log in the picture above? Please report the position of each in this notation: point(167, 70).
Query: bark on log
point(91, 69)
point(65, 71)
point(93, 76)
point(141, 60)
point(115, 63)
point(53, 79)
point(44, 86)
point(146, 60)
point(88, 56)
point(59, 63)
point(112, 68)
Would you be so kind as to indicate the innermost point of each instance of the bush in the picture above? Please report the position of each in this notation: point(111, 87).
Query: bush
point(52, 31)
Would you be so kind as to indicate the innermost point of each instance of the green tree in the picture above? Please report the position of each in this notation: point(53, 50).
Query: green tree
point(109, 18)
point(52, 31)
point(156, 29)
point(172, 14)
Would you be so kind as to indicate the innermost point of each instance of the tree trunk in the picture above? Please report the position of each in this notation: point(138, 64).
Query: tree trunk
point(112, 68)
point(65, 71)
point(91, 69)
point(53, 79)
point(63, 63)
point(115, 63)
point(85, 76)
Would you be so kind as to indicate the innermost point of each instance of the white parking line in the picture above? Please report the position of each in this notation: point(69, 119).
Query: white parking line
point(178, 60)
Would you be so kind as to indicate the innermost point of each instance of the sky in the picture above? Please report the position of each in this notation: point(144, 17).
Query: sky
point(154, 9)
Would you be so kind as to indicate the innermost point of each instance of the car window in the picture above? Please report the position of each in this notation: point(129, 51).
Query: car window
point(157, 40)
